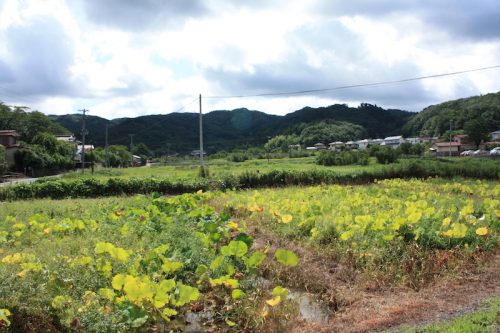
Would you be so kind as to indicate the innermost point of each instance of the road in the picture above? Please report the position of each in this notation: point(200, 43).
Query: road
point(25, 180)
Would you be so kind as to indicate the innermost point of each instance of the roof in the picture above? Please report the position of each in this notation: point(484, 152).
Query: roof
point(447, 144)
point(9, 133)
point(398, 137)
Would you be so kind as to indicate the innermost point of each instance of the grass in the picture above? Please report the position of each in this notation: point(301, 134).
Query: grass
point(221, 168)
point(485, 320)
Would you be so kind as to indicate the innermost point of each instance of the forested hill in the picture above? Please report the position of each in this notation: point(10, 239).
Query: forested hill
point(225, 130)
point(435, 119)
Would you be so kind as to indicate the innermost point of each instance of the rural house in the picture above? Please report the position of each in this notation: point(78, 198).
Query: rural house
point(8, 139)
point(336, 146)
point(444, 148)
point(394, 141)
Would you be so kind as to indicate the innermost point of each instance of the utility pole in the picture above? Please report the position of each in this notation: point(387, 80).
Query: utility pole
point(449, 149)
point(202, 164)
point(131, 146)
point(106, 163)
point(84, 132)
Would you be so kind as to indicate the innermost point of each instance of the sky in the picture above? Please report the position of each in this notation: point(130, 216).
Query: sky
point(127, 58)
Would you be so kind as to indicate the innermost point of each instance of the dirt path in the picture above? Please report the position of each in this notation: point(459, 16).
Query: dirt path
point(360, 309)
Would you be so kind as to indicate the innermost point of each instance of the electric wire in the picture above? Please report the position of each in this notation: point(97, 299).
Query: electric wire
point(309, 91)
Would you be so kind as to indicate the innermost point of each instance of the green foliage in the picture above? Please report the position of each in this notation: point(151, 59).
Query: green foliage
point(435, 119)
point(3, 162)
point(241, 128)
point(118, 156)
point(28, 124)
point(386, 155)
point(94, 187)
point(329, 131)
point(349, 157)
point(477, 130)
point(45, 155)
point(286, 257)
point(280, 143)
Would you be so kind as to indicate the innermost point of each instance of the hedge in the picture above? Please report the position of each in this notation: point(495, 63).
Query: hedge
point(92, 187)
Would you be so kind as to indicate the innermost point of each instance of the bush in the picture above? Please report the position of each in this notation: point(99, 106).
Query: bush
point(237, 157)
point(386, 155)
point(329, 158)
point(3, 162)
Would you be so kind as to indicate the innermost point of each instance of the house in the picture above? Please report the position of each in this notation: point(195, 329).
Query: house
point(8, 139)
point(78, 153)
point(464, 141)
point(351, 145)
point(66, 138)
point(413, 141)
point(446, 148)
point(428, 139)
point(495, 135)
point(311, 148)
point(377, 142)
point(294, 147)
point(336, 146)
point(363, 144)
point(394, 141)
point(320, 146)
point(136, 160)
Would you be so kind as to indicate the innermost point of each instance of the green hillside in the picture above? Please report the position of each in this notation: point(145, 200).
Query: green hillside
point(435, 119)
point(239, 128)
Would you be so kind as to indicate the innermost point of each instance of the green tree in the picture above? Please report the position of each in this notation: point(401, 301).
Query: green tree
point(477, 131)
point(3, 161)
point(280, 143)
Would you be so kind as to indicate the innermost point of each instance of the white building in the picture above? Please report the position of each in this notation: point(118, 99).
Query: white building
point(336, 146)
point(376, 142)
point(495, 135)
point(363, 144)
point(394, 141)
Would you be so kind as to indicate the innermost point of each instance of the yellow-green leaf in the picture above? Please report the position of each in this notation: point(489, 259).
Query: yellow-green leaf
point(287, 258)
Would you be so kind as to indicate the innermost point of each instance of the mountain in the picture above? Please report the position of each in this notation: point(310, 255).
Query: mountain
point(226, 130)
point(435, 119)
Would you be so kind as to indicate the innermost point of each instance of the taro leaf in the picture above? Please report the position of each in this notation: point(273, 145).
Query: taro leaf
point(256, 259)
point(247, 239)
point(287, 258)
point(236, 248)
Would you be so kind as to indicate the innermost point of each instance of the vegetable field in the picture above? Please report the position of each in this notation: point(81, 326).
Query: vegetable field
point(204, 261)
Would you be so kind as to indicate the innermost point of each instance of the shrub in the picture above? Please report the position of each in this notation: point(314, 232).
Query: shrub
point(348, 157)
point(386, 155)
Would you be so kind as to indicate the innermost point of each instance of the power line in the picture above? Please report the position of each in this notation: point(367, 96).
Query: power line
point(301, 92)
point(186, 105)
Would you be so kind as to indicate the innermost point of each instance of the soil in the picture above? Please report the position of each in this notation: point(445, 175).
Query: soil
point(354, 306)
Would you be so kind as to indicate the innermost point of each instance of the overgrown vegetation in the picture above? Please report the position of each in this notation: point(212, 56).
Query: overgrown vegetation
point(95, 187)
point(348, 157)
point(120, 265)
point(396, 229)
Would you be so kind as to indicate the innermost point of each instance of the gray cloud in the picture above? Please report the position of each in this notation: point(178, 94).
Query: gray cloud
point(343, 63)
point(40, 55)
point(137, 15)
point(477, 20)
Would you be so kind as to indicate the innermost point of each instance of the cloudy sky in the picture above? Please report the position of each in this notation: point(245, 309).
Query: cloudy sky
point(125, 58)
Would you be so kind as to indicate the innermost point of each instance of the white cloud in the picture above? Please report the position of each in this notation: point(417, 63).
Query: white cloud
point(58, 56)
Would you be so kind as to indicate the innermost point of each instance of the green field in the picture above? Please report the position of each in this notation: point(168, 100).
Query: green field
point(189, 169)
point(124, 263)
